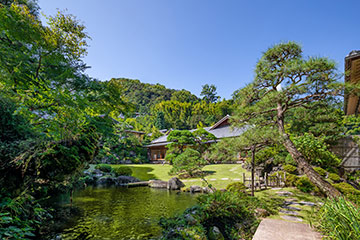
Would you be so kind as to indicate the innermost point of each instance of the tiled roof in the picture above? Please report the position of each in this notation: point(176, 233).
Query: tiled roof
point(219, 132)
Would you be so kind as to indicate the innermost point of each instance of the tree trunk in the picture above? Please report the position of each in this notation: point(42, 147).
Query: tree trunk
point(252, 170)
point(303, 165)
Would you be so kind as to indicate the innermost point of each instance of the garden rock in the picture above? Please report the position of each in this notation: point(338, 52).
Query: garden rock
point(311, 204)
point(158, 184)
point(284, 193)
point(196, 189)
point(292, 208)
point(106, 180)
point(175, 184)
point(260, 212)
point(289, 212)
point(126, 179)
point(291, 218)
point(215, 234)
point(208, 190)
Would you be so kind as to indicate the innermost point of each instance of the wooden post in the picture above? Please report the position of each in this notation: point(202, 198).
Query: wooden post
point(244, 179)
point(265, 180)
point(253, 149)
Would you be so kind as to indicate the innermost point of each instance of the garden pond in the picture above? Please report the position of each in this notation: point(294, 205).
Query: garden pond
point(123, 213)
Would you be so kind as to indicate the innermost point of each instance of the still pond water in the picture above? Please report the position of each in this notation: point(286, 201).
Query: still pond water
point(124, 213)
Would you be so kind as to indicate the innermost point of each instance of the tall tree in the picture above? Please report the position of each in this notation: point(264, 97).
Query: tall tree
point(209, 93)
point(285, 81)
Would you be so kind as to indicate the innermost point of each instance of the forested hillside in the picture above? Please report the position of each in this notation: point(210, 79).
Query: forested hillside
point(159, 107)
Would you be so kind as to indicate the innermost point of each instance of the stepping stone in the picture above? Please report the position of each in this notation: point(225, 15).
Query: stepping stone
point(225, 179)
point(291, 218)
point(289, 212)
point(236, 179)
point(213, 179)
point(311, 204)
point(276, 188)
point(291, 203)
point(292, 208)
point(284, 193)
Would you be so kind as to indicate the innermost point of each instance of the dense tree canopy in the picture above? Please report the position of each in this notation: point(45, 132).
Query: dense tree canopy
point(284, 82)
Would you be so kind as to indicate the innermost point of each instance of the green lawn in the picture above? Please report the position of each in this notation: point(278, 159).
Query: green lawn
point(219, 175)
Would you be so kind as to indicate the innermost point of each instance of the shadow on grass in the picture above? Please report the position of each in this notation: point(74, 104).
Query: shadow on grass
point(142, 173)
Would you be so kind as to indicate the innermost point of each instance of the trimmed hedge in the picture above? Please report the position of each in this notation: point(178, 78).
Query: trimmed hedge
point(123, 171)
point(104, 168)
point(290, 180)
point(334, 177)
point(304, 184)
point(290, 169)
point(349, 191)
point(320, 171)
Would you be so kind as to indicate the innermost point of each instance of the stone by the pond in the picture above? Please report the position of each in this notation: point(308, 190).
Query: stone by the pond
point(284, 193)
point(158, 184)
point(126, 179)
point(292, 208)
point(106, 180)
point(175, 184)
point(215, 234)
point(311, 204)
point(289, 212)
point(207, 190)
point(196, 189)
point(291, 218)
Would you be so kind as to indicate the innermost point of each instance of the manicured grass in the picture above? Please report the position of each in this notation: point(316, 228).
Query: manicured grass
point(219, 175)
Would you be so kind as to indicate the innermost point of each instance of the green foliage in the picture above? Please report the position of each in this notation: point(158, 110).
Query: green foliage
point(122, 171)
point(291, 180)
point(316, 151)
point(340, 219)
point(222, 152)
point(104, 168)
point(304, 184)
point(349, 191)
point(290, 169)
point(238, 187)
point(224, 210)
point(209, 93)
point(160, 121)
point(189, 162)
point(334, 177)
point(320, 171)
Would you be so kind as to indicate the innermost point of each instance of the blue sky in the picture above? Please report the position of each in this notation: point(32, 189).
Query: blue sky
point(188, 43)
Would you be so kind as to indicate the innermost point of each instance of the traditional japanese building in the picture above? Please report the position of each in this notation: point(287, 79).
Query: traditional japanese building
point(352, 75)
point(221, 129)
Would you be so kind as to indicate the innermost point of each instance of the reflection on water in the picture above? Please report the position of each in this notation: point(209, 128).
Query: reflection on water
point(124, 213)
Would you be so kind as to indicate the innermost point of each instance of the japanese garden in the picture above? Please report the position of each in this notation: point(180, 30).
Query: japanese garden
point(119, 158)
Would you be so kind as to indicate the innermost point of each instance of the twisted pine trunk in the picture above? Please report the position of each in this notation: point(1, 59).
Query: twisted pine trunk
point(303, 165)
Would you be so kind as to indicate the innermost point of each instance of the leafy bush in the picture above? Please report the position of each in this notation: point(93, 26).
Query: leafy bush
point(290, 169)
point(349, 191)
point(334, 177)
point(104, 168)
point(304, 184)
point(290, 180)
point(123, 171)
point(236, 187)
point(320, 171)
point(340, 219)
point(316, 150)
point(226, 210)
point(188, 162)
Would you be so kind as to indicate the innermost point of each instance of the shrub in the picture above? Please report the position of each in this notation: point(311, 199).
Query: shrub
point(334, 177)
point(123, 171)
point(349, 191)
point(320, 171)
point(236, 187)
point(227, 210)
point(304, 184)
point(291, 180)
point(290, 169)
point(104, 168)
point(340, 219)
point(188, 162)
